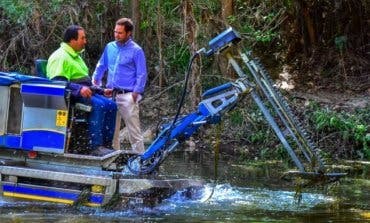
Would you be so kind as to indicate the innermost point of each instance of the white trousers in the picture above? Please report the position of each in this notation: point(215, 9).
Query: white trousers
point(129, 112)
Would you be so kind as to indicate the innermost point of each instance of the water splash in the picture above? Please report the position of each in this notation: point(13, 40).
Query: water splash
point(227, 196)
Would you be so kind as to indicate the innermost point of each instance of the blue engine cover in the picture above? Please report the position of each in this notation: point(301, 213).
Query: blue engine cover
point(43, 114)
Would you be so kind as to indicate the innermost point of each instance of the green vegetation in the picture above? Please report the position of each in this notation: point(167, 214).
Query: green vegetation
point(321, 44)
point(339, 134)
point(351, 129)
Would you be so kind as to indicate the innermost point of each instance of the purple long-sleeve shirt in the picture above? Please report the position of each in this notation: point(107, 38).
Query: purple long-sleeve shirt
point(126, 66)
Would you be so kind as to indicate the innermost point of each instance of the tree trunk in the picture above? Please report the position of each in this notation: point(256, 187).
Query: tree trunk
point(136, 17)
point(306, 25)
point(227, 10)
point(160, 46)
point(191, 32)
point(310, 26)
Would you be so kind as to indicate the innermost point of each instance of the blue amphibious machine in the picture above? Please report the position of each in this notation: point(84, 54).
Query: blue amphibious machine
point(44, 149)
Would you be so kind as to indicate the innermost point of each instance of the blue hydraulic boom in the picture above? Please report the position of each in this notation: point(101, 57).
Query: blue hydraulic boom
point(257, 83)
point(217, 101)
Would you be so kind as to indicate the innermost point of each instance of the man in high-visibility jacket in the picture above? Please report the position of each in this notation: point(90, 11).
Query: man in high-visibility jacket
point(67, 65)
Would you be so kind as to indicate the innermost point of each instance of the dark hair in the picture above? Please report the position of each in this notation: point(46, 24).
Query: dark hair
point(127, 23)
point(71, 33)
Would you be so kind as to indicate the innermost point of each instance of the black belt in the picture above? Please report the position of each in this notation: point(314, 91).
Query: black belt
point(123, 91)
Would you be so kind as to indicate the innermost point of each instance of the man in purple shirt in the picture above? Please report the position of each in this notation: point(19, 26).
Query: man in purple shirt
point(125, 62)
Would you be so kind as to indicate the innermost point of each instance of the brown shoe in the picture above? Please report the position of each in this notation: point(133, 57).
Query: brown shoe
point(101, 151)
point(130, 151)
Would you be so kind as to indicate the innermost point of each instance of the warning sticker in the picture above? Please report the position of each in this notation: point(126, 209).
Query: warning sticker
point(61, 118)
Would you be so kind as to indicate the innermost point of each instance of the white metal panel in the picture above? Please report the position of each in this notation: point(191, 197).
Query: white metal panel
point(4, 108)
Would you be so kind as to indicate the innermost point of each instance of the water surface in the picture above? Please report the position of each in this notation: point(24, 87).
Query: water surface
point(236, 193)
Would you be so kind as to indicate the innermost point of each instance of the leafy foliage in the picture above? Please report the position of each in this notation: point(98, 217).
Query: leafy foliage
point(34, 28)
point(275, 29)
point(351, 128)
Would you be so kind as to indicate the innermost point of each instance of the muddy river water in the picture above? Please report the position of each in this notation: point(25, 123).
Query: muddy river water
point(235, 193)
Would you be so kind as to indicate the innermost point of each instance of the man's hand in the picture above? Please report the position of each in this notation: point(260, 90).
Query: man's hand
point(135, 95)
point(85, 92)
point(108, 92)
point(95, 82)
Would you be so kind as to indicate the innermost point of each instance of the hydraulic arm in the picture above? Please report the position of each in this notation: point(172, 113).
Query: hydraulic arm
point(216, 102)
point(255, 81)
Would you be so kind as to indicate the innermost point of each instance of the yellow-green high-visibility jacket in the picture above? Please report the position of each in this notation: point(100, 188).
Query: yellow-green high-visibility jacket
point(67, 63)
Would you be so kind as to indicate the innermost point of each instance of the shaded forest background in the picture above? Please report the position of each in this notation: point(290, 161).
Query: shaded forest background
point(322, 44)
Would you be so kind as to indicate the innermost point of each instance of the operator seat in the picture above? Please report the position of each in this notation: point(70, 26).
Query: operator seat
point(40, 65)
